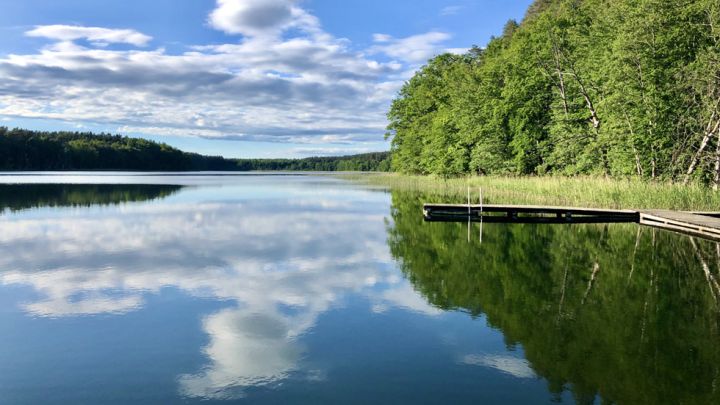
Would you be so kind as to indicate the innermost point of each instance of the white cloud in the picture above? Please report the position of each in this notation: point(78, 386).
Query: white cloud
point(276, 90)
point(457, 51)
point(96, 35)
point(382, 38)
point(329, 151)
point(413, 49)
point(164, 131)
point(252, 17)
point(451, 10)
point(285, 80)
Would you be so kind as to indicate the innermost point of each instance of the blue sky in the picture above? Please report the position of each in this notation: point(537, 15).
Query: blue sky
point(238, 78)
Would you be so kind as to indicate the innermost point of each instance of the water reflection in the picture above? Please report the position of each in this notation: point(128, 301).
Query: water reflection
point(626, 314)
point(278, 264)
point(513, 366)
point(15, 197)
point(610, 312)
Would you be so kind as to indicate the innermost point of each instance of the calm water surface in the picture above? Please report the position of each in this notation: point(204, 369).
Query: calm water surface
point(132, 288)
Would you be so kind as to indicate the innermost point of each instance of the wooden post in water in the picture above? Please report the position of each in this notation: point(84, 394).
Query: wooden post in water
point(469, 214)
point(481, 213)
point(469, 211)
point(481, 201)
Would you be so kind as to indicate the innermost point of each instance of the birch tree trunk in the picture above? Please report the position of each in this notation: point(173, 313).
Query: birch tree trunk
point(716, 184)
point(712, 127)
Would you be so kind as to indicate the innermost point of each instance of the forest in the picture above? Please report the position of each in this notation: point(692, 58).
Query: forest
point(32, 150)
point(616, 88)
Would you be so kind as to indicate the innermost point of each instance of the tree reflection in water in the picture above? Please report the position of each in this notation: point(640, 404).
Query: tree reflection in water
point(612, 311)
point(16, 197)
point(619, 312)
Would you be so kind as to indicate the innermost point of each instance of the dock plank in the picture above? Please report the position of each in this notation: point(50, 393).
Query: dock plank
point(706, 213)
point(702, 225)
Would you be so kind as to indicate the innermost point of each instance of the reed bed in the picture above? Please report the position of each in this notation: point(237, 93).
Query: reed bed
point(595, 192)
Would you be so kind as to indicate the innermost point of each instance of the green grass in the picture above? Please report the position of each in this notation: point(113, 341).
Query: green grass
point(595, 192)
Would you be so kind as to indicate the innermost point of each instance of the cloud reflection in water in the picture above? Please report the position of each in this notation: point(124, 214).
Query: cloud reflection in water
point(261, 256)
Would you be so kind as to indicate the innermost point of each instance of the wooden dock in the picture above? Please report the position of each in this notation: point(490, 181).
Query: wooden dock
point(525, 214)
point(703, 224)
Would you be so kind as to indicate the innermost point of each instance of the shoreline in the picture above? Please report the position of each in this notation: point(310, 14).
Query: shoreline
point(585, 191)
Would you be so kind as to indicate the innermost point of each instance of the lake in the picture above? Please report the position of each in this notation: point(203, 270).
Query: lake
point(123, 288)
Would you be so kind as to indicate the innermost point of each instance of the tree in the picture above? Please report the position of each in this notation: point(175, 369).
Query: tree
point(614, 87)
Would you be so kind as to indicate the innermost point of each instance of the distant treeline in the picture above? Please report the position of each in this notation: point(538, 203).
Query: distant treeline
point(366, 162)
point(32, 150)
point(620, 88)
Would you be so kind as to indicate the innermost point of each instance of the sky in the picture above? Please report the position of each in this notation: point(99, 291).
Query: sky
point(237, 78)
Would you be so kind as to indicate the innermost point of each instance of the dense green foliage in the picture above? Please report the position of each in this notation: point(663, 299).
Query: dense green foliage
point(366, 162)
point(620, 312)
point(32, 150)
point(610, 87)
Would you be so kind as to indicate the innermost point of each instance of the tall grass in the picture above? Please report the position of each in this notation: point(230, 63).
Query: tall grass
point(593, 192)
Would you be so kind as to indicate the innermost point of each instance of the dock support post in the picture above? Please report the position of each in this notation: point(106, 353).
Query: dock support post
point(481, 200)
point(469, 210)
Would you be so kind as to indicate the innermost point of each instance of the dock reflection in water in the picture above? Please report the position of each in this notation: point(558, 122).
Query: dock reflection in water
point(312, 290)
point(616, 311)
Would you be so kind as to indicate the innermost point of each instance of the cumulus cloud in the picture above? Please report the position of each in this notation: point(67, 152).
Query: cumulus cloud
point(283, 79)
point(272, 91)
point(96, 35)
point(252, 17)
